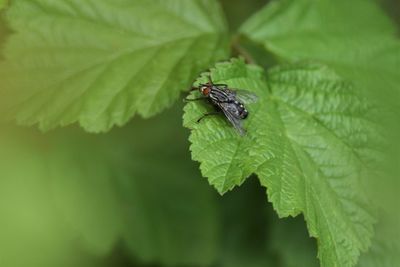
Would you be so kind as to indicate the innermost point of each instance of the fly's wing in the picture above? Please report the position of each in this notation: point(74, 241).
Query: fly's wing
point(244, 96)
point(231, 112)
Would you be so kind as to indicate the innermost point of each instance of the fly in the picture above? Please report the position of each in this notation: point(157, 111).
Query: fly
point(229, 101)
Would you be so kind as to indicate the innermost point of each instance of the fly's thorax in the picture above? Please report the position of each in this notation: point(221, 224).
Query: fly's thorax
point(219, 95)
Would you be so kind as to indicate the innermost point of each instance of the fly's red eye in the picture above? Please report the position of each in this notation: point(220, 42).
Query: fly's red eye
point(205, 91)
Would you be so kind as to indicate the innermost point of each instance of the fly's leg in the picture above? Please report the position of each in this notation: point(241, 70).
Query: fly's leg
point(208, 114)
point(221, 85)
point(217, 84)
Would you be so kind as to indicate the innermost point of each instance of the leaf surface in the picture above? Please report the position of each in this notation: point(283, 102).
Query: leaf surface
point(99, 62)
point(307, 140)
point(355, 38)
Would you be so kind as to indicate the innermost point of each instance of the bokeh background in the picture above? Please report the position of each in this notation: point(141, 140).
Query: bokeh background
point(133, 197)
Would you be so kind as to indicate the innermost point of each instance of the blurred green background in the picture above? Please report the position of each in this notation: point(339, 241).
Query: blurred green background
point(133, 197)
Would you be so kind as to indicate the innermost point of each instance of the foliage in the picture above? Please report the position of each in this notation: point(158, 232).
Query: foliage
point(308, 151)
point(353, 37)
point(100, 63)
point(327, 78)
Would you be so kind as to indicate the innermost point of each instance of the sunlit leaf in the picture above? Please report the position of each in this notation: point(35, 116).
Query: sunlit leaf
point(354, 37)
point(100, 62)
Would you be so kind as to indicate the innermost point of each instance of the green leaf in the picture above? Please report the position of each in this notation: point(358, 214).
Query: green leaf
point(100, 62)
point(355, 38)
point(70, 190)
point(308, 140)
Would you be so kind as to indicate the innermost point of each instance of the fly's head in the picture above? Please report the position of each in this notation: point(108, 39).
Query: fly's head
point(205, 89)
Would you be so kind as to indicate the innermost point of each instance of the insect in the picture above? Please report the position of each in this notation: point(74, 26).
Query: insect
point(229, 101)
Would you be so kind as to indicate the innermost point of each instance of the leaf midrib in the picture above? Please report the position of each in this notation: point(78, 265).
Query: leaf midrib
point(107, 61)
point(290, 142)
point(322, 174)
point(49, 12)
point(326, 129)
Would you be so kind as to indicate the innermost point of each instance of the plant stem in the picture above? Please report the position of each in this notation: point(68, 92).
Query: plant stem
point(240, 50)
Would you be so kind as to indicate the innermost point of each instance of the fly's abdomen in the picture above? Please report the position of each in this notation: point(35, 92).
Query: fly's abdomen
point(242, 111)
point(237, 109)
point(244, 114)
